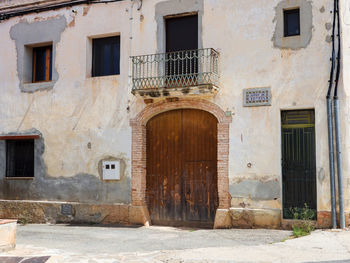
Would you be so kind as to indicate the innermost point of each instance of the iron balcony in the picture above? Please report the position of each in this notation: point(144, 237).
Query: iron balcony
point(187, 72)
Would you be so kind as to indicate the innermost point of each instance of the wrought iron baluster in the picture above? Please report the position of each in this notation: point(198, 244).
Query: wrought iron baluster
point(190, 64)
point(171, 64)
point(182, 63)
point(174, 69)
point(186, 60)
point(147, 68)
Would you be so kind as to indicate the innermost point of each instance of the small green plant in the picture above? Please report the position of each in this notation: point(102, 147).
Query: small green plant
point(22, 221)
point(305, 225)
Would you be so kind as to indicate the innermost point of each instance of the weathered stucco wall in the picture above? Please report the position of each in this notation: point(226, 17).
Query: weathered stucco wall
point(298, 80)
point(26, 35)
point(83, 119)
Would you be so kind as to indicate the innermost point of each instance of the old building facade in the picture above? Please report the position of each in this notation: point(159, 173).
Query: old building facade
point(197, 112)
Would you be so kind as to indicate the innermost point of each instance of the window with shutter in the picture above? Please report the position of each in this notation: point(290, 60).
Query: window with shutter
point(42, 63)
point(106, 56)
point(20, 158)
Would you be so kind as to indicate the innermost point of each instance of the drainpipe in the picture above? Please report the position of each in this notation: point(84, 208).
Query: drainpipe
point(331, 161)
point(337, 130)
point(330, 130)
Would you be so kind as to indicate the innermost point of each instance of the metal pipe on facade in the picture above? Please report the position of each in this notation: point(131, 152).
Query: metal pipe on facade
point(330, 129)
point(339, 164)
point(337, 129)
point(331, 162)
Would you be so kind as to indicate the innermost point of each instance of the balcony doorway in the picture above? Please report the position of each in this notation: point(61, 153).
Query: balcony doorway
point(181, 50)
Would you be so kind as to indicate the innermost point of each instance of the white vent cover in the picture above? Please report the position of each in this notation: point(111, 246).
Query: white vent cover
point(111, 170)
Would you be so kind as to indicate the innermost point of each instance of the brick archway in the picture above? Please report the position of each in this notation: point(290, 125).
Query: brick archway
point(138, 124)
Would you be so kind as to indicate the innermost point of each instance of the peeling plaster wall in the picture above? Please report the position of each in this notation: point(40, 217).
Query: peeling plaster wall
point(299, 41)
point(81, 111)
point(176, 7)
point(82, 119)
point(298, 80)
point(26, 35)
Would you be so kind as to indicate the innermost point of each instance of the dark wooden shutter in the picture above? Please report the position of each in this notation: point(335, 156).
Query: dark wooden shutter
point(182, 35)
point(42, 64)
point(20, 158)
point(292, 22)
point(106, 56)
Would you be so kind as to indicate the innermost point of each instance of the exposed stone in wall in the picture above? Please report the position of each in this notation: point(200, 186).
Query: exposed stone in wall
point(51, 212)
point(255, 218)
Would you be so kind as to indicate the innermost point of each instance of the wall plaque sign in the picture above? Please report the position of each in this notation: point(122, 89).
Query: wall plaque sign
point(257, 97)
point(67, 209)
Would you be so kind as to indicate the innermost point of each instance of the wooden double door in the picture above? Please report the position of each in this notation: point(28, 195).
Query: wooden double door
point(182, 168)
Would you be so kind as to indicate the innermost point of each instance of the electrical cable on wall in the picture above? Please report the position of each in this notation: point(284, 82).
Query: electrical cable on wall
point(333, 116)
point(24, 11)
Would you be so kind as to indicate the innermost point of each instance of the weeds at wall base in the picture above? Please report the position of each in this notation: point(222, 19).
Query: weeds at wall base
point(305, 221)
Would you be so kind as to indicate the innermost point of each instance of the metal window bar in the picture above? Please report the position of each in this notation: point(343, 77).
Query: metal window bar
point(175, 69)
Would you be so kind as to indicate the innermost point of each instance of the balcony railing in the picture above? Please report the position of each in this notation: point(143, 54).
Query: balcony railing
point(181, 70)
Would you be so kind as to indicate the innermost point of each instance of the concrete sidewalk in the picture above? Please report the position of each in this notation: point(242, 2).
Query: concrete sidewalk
point(59, 243)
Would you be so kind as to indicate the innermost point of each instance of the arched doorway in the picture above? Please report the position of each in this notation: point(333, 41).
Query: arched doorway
point(181, 168)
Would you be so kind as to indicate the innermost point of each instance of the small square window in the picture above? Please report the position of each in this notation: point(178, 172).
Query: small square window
point(20, 158)
point(292, 22)
point(42, 63)
point(106, 56)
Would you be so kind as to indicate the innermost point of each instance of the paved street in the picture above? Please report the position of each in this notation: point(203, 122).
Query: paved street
point(92, 244)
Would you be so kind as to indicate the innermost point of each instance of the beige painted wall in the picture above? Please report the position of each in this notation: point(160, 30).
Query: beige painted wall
point(80, 109)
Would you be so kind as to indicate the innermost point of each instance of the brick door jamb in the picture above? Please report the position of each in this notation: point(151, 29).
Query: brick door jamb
point(138, 125)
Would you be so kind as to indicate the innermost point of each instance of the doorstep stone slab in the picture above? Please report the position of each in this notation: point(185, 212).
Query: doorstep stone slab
point(8, 229)
point(255, 218)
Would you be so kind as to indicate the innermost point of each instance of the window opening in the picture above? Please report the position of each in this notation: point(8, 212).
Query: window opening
point(106, 56)
point(182, 47)
point(291, 22)
point(42, 64)
point(20, 158)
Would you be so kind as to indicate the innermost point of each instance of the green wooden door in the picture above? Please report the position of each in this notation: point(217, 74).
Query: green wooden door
point(298, 161)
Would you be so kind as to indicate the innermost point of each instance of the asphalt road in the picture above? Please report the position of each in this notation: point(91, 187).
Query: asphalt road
point(111, 240)
point(98, 244)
